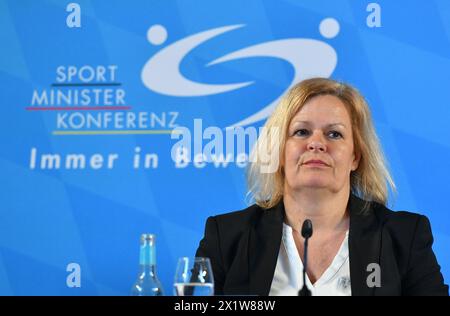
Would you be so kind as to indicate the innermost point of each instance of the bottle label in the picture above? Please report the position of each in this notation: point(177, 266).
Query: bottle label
point(148, 256)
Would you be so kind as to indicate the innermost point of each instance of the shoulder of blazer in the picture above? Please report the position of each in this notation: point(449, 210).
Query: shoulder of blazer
point(404, 227)
point(231, 227)
point(237, 226)
point(238, 221)
point(398, 241)
point(401, 228)
point(402, 221)
point(385, 216)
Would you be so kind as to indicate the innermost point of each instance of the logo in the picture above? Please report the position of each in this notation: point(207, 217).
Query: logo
point(309, 58)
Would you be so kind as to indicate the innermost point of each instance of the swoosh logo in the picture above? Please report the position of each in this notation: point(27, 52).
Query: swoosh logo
point(309, 58)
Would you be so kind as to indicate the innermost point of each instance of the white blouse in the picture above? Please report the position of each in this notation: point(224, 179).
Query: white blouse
point(288, 277)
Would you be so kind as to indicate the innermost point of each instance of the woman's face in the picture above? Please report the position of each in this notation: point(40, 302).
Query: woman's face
point(319, 149)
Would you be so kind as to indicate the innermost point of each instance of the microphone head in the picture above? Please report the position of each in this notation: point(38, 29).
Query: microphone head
point(307, 229)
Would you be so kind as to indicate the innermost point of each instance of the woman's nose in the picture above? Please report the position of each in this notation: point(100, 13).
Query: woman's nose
point(316, 144)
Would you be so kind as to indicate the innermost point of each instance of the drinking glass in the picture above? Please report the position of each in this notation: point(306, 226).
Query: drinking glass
point(194, 277)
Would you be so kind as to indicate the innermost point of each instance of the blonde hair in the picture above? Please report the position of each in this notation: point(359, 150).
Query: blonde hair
point(369, 181)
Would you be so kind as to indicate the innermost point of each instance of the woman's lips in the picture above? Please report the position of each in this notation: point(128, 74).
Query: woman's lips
point(316, 163)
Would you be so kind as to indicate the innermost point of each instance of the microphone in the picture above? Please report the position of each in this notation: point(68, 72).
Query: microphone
point(307, 231)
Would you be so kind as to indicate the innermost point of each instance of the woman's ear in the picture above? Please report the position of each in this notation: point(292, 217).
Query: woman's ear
point(356, 160)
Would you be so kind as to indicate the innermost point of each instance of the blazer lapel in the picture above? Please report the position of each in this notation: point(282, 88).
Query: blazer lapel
point(264, 245)
point(364, 245)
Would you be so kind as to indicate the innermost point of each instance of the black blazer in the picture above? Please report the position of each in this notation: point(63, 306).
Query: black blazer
point(243, 247)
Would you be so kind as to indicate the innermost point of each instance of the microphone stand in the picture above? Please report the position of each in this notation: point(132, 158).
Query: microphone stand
point(307, 231)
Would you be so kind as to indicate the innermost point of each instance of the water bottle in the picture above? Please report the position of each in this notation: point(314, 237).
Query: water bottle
point(147, 283)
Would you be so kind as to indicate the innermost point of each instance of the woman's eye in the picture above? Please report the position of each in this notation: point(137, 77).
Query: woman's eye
point(304, 132)
point(335, 134)
point(301, 132)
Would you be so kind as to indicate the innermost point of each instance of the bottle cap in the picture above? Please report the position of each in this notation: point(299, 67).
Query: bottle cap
point(148, 237)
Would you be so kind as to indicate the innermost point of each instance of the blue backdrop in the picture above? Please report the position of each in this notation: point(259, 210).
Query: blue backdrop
point(119, 83)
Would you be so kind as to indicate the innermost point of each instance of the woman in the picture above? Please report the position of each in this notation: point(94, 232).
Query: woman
point(332, 172)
